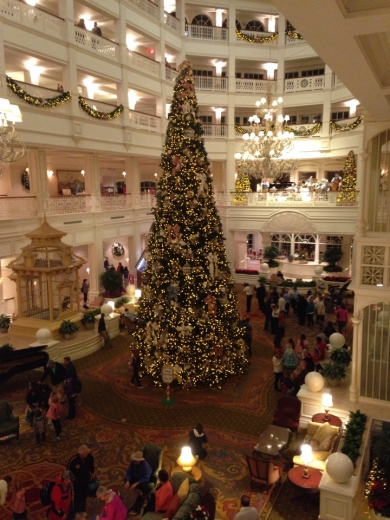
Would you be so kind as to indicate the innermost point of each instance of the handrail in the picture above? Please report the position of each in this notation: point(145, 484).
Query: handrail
point(43, 10)
point(98, 35)
point(143, 56)
point(144, 113)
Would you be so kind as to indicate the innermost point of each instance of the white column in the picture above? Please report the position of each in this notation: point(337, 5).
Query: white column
point(38, 178)
point(356, 347)
point(361, 176)
point(317, 250)
point(95, 260)
point(3, 83)
point(230, 170)
point(133, 179)
point(92, 180)
point(327, 105)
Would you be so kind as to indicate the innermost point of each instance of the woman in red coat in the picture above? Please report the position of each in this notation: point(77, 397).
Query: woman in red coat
point(61, 497)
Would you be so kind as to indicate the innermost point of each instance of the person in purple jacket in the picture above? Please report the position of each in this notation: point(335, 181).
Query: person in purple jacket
point(113, 507)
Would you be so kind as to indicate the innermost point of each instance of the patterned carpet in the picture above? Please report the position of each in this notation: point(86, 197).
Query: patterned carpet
point(115, 419)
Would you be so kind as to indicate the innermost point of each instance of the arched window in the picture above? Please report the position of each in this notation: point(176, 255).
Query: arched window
point(254, 25)
point(379, 194)
point(225, 24)
point(289, 26)
point(203, 20)
point(147, 186)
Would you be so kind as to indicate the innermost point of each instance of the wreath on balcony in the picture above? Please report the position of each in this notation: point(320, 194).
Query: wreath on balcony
point(26, 180)
point(117, 249)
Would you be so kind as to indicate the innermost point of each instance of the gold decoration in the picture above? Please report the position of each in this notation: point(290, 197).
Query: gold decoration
point(297, 133)
point(35, 100)
point(294, 35)
point(347, 193)
point(256, 39)
point(97, 114)
point(346, 127)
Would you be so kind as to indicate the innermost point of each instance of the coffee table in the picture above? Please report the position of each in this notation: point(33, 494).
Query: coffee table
point(307, 485)
point(333, 419)
point(271, 441)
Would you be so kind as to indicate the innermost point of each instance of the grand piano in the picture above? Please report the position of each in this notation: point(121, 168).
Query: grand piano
point(18, 361)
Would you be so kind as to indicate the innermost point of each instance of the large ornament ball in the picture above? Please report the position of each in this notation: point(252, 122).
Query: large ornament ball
point(339, 467)
point(318, 270)
point(337, 340)
point(43, 336)
point(314, 381)
point(130, 289)
point(264, 267)
point(106, 309)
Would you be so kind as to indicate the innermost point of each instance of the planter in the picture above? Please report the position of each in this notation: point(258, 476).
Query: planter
point(333, 382)
point(3, 330)
point(68, 336)
point(89, 326)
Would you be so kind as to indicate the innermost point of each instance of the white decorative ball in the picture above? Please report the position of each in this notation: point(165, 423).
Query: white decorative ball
point(130, 289)
point(314, 381)
point(318, 270)
point(337, 340)
point(106, 309)
point(43, 336)
point(339, 467)
point(264, 267)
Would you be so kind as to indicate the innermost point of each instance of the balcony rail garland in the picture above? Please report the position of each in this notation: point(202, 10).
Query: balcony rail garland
point(286, 198)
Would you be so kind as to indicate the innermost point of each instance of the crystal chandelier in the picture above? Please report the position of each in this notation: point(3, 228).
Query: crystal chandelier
point(12, 148)
point(267, 140)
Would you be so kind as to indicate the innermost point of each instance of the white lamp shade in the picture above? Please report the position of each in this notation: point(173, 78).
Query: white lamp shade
point(339, 467)
point(130, 289)
point(186, 459)
point(306, 453)
point(337, 340)
point(327, 401)
point(314, 381)
point(111, 304)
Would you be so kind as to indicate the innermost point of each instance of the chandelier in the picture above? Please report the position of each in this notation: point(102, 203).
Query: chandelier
point(12, 148)
point(267, 140)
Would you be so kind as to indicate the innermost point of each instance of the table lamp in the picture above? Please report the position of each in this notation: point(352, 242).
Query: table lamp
point(307, 457)
point(327, 402)
point(186, 459)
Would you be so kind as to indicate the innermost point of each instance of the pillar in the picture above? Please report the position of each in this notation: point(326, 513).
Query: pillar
point(327, 106)
point(133, 178)
point(356, 351)
point(92, 181)
point(3, 84)
point(95, 259)
point(317, 250)
point(38, 178)
point(346, 259)
point(361, 170)
point(230, 171)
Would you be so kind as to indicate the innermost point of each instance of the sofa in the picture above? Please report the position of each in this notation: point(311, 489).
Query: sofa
point(324, 440)
point(9, 423)
point(193, 498)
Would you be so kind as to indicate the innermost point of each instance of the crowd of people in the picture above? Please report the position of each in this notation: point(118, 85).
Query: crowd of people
point(120, 268)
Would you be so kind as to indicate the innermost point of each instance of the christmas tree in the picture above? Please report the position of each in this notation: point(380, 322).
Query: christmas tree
point(242, 184)
point(188, 310)
point(347, 191)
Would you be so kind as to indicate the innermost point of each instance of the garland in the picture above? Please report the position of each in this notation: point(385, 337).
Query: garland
point(35, 100)
point(256, 39)
point(294, 35)
point(107, 116)
point(26, 180)
point(306, 132)
point(346, 127)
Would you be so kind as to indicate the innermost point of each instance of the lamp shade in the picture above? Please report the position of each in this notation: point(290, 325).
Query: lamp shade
point(186, 459)
point(327, 401)
point(106, 309)
point(138, 293)
point(306, 454)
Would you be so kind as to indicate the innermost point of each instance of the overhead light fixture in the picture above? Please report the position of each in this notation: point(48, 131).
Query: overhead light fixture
point(12, 148)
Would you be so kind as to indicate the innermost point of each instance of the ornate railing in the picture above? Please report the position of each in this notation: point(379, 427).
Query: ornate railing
point(253, 86)
point(18, 207)
point(116, 201)
point(293, 41)
point(94, 43)
point(301, 84)
point(171, 22)
point(215, 131)
point(170, 74)
point(143, 64)
point(61, 205)
point(285, 198)
point(142, 121)
point(145, 6)
point(210, 83)
point(202, 32)
point(33, 17)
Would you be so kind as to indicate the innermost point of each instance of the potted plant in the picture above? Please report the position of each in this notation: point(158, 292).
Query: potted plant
point(121, 301)
point(4, 323)
point(112, 282)
point(334, 373)
point(332, 256)
point(270, 253)
point(5, 351)
point(354, 434)
point(67, 329)
point(378, 484)
point(89, 319)
point(341, 356)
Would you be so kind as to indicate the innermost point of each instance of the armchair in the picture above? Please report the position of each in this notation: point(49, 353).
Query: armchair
point(9, 424)
point(153, 454)
point(263, 472)
point(288, 412)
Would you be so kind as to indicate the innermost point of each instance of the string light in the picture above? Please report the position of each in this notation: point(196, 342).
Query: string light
point(37, 101)
point(97, 114)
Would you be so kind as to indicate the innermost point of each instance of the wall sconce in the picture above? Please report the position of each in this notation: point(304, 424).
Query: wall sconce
point(82, 172)
point(50, 173)
point(186, 459)
point(307, 457)
point(327, 402)
point(124, 174)
point(88, 270)
point(156, 175)
point(127, 260)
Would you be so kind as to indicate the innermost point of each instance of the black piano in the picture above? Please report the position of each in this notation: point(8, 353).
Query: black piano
point(17, 361)
point(280, 185)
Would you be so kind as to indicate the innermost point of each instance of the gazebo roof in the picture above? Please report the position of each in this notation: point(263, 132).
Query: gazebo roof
point(45, 230)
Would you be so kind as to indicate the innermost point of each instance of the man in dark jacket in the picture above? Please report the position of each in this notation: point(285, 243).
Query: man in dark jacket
point(102, 329)
point(55, 371)
point(261, 293)
point(82, 465)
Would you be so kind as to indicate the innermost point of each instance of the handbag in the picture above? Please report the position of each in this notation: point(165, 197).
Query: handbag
point(93, 484)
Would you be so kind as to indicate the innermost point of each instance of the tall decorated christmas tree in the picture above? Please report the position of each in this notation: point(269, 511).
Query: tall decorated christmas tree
point(243, 184)
point(347, 191)
point(188, 310)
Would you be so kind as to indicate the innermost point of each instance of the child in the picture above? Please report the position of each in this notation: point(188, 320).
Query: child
point(54, 413)
point(17, 503)
point(39, 424)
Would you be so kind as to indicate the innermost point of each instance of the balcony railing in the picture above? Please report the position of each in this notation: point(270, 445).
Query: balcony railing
point(201, 32)
point(302, 84)
point(33, 17)
point(215, 131)
point(44, 93)
point(293, 41)
point(61, 205)
point(101, 106)
point(145, 6)
point(118, 201)
point(143, 64)
point(170, 74)
point(172, 22)
point(252, 86)
point(210, 83)
point(18, 207)
point(142, 121)
point(96, 44)
point(285, 198)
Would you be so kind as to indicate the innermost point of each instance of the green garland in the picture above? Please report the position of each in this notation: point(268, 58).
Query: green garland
point(107, 116)
point(294, 35)
point(35, 100)
point(346, 128)
point(306, 132)
point(265, 39)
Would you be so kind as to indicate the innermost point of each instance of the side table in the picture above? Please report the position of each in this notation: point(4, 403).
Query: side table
point(307, 485)
point(333, 419)
point(195, 472)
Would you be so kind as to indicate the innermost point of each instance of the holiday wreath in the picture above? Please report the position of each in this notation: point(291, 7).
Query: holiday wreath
point(117, 249)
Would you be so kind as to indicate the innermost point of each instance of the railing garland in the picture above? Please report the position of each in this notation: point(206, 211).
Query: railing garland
point(35, 100)
point(346, 127)
point(265, 39)
point(298, 133)
point(294, 34)
point(97, 114)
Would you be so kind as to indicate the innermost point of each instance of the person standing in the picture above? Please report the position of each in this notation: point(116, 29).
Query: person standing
point(249, 293)
point(4, 489)
point(278, 369)
point(197, 438)
point(82, 465)
point(102, 329)
point(274, 318)
point(342, 317)
point(320, 310)
point(310, 310)
point(54, 413)
point(301, 309)
point(261, 293)
point(106, 264)
point(61, 497)
point(248, 335)
point(246, 512)
point(39, 425)
point(290, 359)
point(136, 365)
point(96, 29)
point(56, 372)
point(17, 503)
point(70, 386)
point(125, 275)
point(85, 289)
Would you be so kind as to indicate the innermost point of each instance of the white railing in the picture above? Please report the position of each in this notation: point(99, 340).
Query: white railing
point(143, 64)
point(210, 83)
point(115, 202)
point(33, 17)
point(145, 6)
point(170, 74)
point(285, 198)
point(201, 32)
point(18, 207)
point(215, 131)
point(252, 86)
point(143, 121)
point(61, 205)
point(293, 41)
point(45, 93)
point(301, 84)
point(96, 44)
point(171, 22)
point(336, 81)
point(304, 128)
